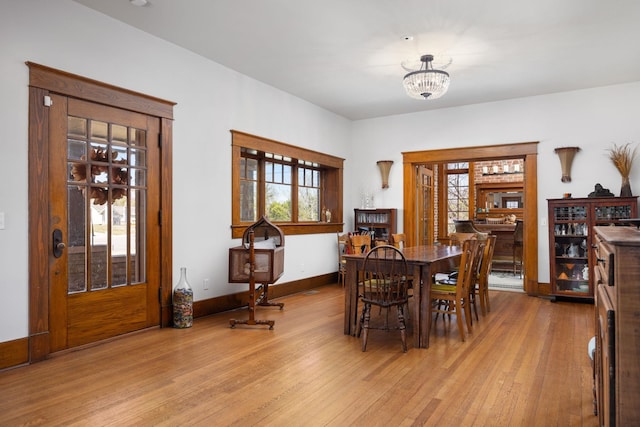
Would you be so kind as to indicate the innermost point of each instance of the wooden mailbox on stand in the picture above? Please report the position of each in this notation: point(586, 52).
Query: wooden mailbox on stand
point(260, 260)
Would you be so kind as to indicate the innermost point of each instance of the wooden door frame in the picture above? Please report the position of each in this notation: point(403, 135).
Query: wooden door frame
point(43, 81)
point(528, 151)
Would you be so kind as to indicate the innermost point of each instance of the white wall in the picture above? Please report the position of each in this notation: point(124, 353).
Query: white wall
point(211, 100)
point(592, 119)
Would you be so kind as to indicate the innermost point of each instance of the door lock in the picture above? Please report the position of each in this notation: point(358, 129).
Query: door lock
point(58, 244)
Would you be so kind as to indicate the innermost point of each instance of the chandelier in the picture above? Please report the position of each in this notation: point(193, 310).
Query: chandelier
point(426, 83)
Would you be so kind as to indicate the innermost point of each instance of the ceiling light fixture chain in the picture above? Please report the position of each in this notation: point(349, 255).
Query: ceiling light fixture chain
point(426, 83)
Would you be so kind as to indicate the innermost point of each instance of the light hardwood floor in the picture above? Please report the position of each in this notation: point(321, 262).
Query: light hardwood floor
point(525, 364)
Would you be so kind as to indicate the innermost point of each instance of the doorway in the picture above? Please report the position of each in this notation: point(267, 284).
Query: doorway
point(525, 151)
point(100, 200)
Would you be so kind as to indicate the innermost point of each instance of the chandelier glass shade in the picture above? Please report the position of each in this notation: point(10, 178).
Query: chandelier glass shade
point(426, 83)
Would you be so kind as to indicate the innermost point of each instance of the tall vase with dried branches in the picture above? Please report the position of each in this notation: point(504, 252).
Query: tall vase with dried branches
point(622, 158)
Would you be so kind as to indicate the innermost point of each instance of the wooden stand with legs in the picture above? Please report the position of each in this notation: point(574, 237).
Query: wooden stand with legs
point(258, 264)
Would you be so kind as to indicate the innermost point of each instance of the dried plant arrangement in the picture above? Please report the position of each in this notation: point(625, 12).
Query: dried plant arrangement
point(622, 157)
point(99, 165)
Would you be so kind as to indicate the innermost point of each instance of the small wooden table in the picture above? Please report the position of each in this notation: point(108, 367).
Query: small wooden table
point(425, 261)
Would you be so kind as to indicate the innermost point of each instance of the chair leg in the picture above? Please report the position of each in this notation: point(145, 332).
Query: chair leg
point(519, 262)
point(361, 322)
point(459, 320)
point(366, 314)
point(467, 315)
point(483, 301)
point(403, 328)
point(472, 300)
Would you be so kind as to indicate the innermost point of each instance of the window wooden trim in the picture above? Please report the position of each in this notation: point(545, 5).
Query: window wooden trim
point(332, 183)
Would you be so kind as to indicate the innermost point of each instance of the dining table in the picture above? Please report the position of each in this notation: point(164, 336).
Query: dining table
point(424, 262)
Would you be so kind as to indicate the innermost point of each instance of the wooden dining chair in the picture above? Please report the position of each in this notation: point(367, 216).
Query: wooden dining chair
point(343, 249)
point(518, 242)
point(456, 239)
point(360, 243)
point(385, 286)
point(475, 273)
point(455, 299)
point(481, 288)
point(398, 240)
point(465, 226)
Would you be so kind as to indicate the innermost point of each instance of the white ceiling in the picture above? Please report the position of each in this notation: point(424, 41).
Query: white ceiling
point(346, 55)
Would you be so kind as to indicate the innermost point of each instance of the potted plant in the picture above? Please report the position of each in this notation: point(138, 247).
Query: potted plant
point(622, 158)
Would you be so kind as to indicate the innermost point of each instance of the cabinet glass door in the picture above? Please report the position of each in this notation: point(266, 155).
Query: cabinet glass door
point(571, 254)
point(611, 214)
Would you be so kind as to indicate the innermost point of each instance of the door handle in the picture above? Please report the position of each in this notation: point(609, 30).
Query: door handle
point(58, 244)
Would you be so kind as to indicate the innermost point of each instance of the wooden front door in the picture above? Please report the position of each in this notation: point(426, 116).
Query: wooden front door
point(104, 192)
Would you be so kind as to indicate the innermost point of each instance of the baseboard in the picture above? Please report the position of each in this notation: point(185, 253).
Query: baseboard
point(14, 353)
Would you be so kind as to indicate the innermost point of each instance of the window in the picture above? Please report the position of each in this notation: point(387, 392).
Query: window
point(309, 191)
point(278, 188)
point(291, 186)
point(457, 179)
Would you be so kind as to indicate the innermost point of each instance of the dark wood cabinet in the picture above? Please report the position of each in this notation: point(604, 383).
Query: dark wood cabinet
point(381, 222)
point(617, 322)
point(571, 223)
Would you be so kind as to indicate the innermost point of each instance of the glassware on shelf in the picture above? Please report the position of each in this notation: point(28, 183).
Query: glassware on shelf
point(573, 251)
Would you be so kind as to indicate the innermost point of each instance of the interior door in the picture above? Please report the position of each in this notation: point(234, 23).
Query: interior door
point(424, 205)
point(104, 222)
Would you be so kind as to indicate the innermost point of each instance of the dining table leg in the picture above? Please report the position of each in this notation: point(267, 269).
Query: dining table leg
point(351, 298)
point(417, 302)
point(425, 305)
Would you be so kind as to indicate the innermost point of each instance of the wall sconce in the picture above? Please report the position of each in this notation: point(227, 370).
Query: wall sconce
point(566, 157)
point(385, 167)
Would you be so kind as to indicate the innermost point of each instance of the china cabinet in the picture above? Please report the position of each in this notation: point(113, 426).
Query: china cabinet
point(570, 238)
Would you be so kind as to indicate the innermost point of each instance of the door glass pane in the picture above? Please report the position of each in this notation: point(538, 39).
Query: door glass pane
point(99, 163)
point(99, 130)
point(138, 157)
point(77, 126)
point(119, 155)
point(137, 177)
point(119, 133)
point(106, 205)
point(118, 214)
point(137, 235)
point(98, 250)
point(76, 238)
